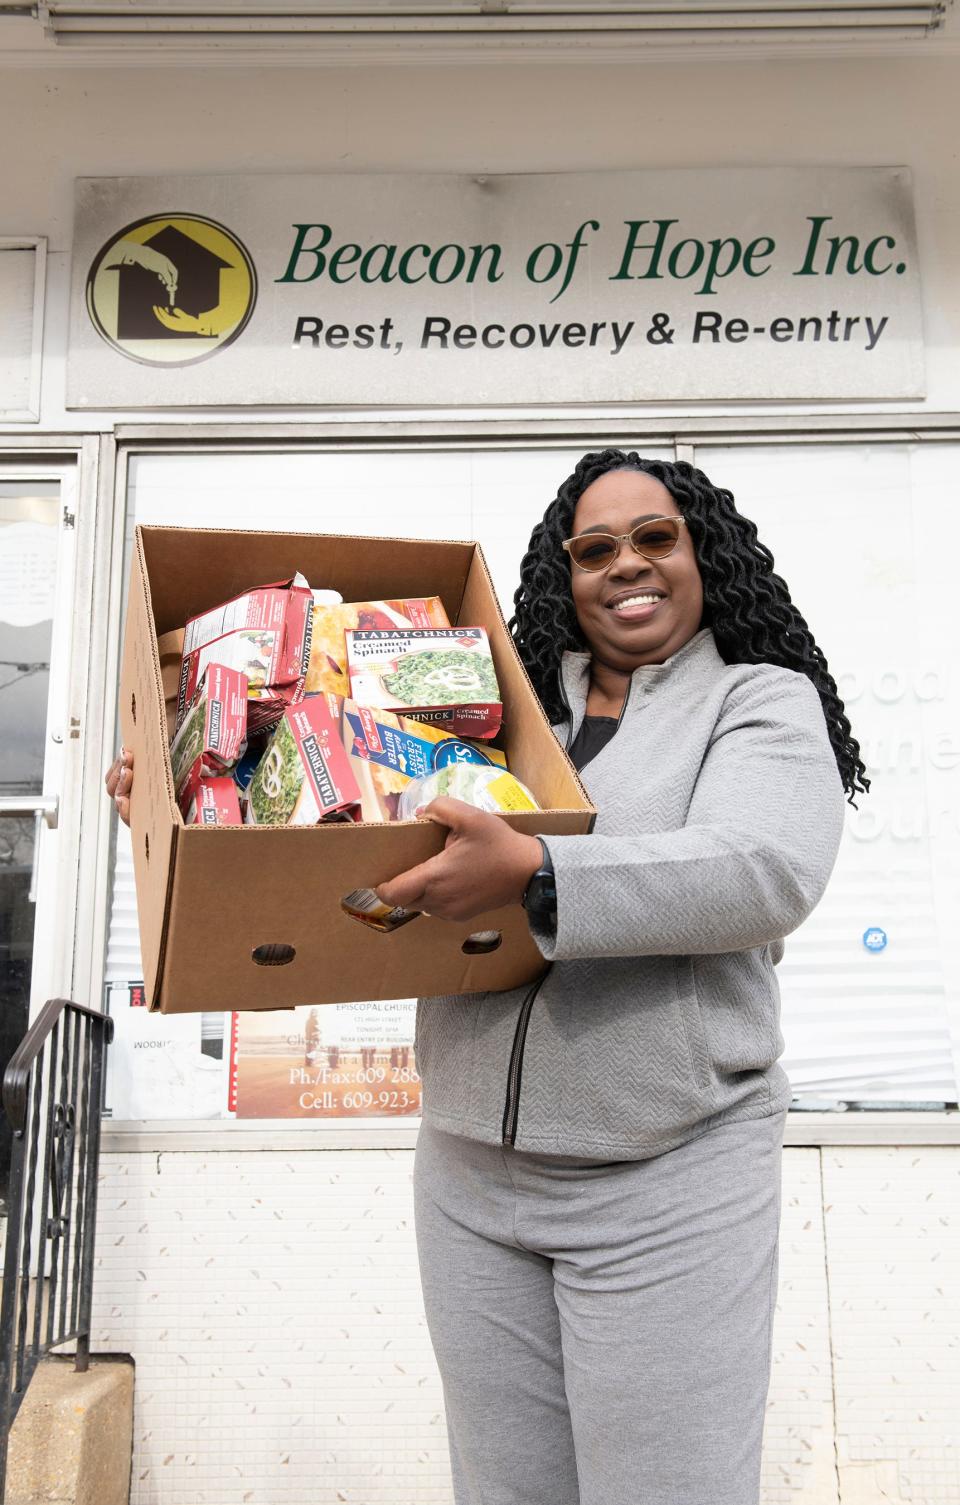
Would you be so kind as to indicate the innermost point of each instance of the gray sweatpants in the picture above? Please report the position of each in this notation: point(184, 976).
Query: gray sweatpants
point(602, 1328)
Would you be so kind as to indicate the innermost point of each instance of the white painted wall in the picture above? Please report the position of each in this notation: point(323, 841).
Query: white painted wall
point(59, 124)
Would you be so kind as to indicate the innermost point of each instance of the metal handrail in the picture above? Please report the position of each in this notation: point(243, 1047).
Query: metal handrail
point(52, 1095)
point(16, 1077)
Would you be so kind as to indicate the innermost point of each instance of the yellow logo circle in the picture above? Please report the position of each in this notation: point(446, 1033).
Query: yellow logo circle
point(171, 290)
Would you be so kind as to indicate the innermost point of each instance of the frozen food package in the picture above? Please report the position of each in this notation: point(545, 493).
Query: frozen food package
point(327, 669)
point(387, 751)
point(215, 802)
point(488, 788)
point(243, 771)
point(304, 776)
point(265, 632)
point(212, 735)
point(443, 675)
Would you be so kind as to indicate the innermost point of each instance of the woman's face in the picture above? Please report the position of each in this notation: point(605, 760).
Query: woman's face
point(621, 635)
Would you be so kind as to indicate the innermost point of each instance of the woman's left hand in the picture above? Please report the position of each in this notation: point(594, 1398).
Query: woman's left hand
point(484, 865)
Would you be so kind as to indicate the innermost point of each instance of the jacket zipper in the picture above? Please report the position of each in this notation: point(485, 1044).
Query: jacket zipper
point(511, 1107)
point(568, 741)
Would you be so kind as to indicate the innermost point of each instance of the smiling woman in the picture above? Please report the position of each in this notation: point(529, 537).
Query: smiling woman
point(633, 609)
point(599, 1165)
point(597, 1174)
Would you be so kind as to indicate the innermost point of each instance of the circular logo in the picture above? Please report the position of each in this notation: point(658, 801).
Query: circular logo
point(875, 939)
point(452, 751)
point(171, 290)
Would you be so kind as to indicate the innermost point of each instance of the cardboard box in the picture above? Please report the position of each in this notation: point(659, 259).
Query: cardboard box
point(287, 941)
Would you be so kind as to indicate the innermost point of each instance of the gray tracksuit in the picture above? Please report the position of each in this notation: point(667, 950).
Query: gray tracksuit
point(720, 810)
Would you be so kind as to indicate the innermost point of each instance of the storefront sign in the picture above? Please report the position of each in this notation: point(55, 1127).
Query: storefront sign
point(364, 290)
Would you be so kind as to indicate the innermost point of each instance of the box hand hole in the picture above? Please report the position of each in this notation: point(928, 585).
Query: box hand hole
point(481, 942)
point(273, 954)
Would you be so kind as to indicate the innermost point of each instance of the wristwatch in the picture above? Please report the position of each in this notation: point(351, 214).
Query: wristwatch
point(540, 894)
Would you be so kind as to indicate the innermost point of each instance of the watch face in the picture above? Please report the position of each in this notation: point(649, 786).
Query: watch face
point(541, 895)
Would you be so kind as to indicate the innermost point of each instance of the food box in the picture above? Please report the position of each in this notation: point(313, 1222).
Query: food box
point(212, 734)
point(265, 632)
point(215, 802)
point(250, 917)
point(387, 751)
point(304, 776)
point(442, 675)
point(327, 668)
point(491, 789)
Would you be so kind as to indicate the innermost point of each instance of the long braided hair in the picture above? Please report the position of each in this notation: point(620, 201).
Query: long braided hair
point(747, 605)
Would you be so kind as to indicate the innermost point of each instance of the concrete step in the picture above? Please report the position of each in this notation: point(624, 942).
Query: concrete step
point(73, 1437)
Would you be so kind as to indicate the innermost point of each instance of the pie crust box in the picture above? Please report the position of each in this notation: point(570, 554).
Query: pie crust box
point(249, 917)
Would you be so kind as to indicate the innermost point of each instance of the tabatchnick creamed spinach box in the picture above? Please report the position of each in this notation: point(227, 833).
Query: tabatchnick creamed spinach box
point(214, 803)
point(212, 734)
point(265, 632)
point(443, 675)
point(304, 777)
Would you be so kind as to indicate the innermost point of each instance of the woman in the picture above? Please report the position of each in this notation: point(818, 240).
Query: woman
point(598, 1171)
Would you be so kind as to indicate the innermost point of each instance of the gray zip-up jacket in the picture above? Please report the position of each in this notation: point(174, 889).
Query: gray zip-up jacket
point(720, 810)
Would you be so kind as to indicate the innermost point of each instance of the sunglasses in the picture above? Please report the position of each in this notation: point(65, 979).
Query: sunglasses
point(654, 539)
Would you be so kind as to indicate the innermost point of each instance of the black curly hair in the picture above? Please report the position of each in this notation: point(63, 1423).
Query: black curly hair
point(747, 605)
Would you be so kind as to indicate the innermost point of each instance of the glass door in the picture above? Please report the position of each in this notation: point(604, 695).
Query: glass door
point(36, 528)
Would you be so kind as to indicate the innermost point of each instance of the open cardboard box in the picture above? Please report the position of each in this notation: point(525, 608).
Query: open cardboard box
point(208, 896)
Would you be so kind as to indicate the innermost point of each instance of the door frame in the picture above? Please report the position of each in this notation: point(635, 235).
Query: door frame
point(74, 709)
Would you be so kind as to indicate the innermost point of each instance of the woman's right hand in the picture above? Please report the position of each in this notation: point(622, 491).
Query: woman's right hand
point(119, 781)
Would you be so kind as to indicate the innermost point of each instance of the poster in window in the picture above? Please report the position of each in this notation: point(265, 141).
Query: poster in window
point(337, 1061)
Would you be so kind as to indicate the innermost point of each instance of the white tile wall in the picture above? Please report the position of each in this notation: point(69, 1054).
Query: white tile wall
point(892, 1216)
point(272, 1304)
point(798, 1454)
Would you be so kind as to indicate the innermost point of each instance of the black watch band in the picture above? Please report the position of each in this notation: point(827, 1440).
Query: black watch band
point(540, 894)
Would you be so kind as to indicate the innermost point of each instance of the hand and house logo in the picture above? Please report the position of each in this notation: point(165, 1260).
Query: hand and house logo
point(171, 290)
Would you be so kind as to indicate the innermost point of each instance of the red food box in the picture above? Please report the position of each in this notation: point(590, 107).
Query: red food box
point(214, 803)
point(304, 777)
point(212, 735)
point(264, 633)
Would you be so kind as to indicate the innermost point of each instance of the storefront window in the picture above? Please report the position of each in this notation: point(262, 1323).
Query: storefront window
point(864, 534)
point(867, 536)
